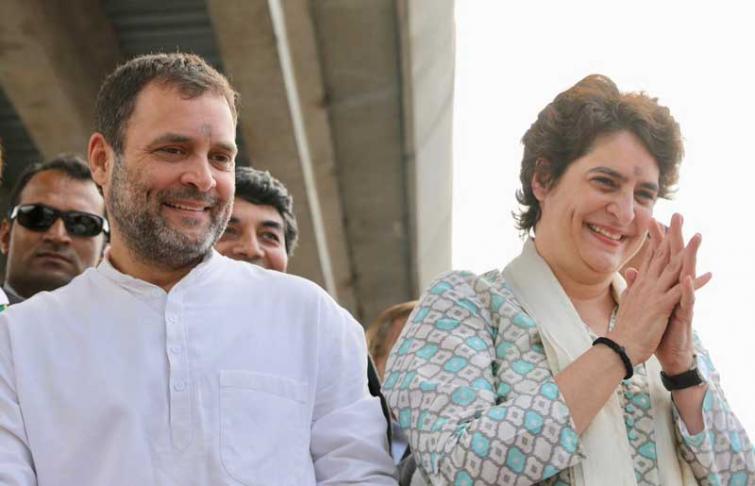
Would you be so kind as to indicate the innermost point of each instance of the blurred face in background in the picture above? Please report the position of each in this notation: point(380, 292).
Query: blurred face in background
point(384, 331)
point(255, 234)
point(46, 260)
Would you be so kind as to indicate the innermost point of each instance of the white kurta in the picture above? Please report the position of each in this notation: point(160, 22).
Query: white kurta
point(238, 375)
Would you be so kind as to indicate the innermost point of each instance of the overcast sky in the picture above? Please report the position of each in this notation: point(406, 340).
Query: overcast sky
point(514, 57)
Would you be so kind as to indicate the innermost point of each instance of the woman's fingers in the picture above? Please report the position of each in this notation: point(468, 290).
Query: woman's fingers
point(674, 234)
point(654, 240)
point(657, 233)
point(690, 256)
point(671, 298)
point(659, 259)
point(689, 267)
point(687, 300)
point(702, 280)
point(670, 273)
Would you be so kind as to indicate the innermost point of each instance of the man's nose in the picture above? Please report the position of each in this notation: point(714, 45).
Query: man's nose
point(199, 174)
point(57, 232)
point(251, 247)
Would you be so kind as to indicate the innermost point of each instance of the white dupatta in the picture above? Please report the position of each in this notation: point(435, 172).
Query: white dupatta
point(608, 453)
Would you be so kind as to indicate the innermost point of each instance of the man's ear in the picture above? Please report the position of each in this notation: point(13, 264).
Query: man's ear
point(101, 159)
point(105, 251)
point(540, 179)
point(5, 227)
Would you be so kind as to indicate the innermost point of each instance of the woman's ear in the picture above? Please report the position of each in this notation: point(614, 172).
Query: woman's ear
point(540, 179)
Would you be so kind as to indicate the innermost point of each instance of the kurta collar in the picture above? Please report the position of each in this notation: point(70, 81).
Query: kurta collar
point(11, 296)
point(135, 285)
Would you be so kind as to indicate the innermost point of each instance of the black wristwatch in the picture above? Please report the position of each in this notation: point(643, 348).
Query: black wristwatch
point(689, 378)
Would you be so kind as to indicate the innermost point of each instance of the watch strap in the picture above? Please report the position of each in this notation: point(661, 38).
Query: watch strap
point(689, 378)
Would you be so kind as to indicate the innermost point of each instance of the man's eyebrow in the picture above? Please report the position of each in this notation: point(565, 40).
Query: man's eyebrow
point(178, 138)
point(171, 138)
point(610, 172)
point(228, 147)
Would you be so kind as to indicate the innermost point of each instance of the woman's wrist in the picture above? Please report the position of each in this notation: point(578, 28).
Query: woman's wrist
point(620, 352)
point(679, 365)
point(635, 353)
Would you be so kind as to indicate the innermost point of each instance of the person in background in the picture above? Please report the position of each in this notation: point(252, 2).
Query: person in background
point(3, 298)
point(382, 334)
point(169, 363)
point(554, 371)
point(55, 227)
point(262, 229)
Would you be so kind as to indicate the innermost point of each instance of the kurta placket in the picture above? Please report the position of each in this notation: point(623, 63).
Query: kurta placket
point(179, 380)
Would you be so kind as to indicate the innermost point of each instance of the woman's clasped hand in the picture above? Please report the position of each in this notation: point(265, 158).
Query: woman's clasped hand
point(655, 314)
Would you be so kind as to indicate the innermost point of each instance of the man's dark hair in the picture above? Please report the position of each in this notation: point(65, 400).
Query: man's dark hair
point(69, 165)
point(188, 73)
point(260, 188)
point(567, 128)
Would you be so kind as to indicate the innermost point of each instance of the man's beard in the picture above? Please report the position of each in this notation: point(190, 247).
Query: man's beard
point(148, 234)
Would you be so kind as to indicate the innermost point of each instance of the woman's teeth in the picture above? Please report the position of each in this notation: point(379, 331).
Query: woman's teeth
point(605, 232)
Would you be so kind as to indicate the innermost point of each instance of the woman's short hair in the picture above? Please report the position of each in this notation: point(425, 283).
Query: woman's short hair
point(566, 129)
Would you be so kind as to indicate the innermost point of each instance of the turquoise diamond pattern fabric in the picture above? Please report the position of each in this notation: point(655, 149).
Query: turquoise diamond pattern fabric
point(470, 384)
point(634, 395)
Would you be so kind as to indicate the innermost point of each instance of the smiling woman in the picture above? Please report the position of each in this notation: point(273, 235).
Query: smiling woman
point(600, 208)
point(553, 371)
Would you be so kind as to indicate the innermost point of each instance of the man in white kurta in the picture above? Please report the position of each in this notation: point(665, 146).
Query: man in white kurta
point(236, 374)
point(170, 364)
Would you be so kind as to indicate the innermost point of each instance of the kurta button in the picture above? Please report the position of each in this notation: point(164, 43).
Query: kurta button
point(179, 386)
point(175, 349)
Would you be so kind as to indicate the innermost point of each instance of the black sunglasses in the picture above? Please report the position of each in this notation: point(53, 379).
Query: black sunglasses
point(38, 217)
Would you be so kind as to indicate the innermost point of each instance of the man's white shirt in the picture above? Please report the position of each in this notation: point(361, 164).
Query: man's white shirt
point(238, 375)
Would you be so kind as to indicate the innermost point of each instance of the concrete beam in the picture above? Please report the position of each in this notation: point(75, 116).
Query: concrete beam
point(360, 56)
point(270, 53)
point(53, 57)
point(428, 39)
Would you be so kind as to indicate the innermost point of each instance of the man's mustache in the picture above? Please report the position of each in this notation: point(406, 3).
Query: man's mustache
point(63, 251)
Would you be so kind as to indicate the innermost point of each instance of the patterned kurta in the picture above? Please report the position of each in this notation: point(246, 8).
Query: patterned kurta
point(470, 383)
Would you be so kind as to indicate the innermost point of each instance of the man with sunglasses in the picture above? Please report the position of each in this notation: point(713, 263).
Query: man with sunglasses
point(54, 228)
point(168, 363)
